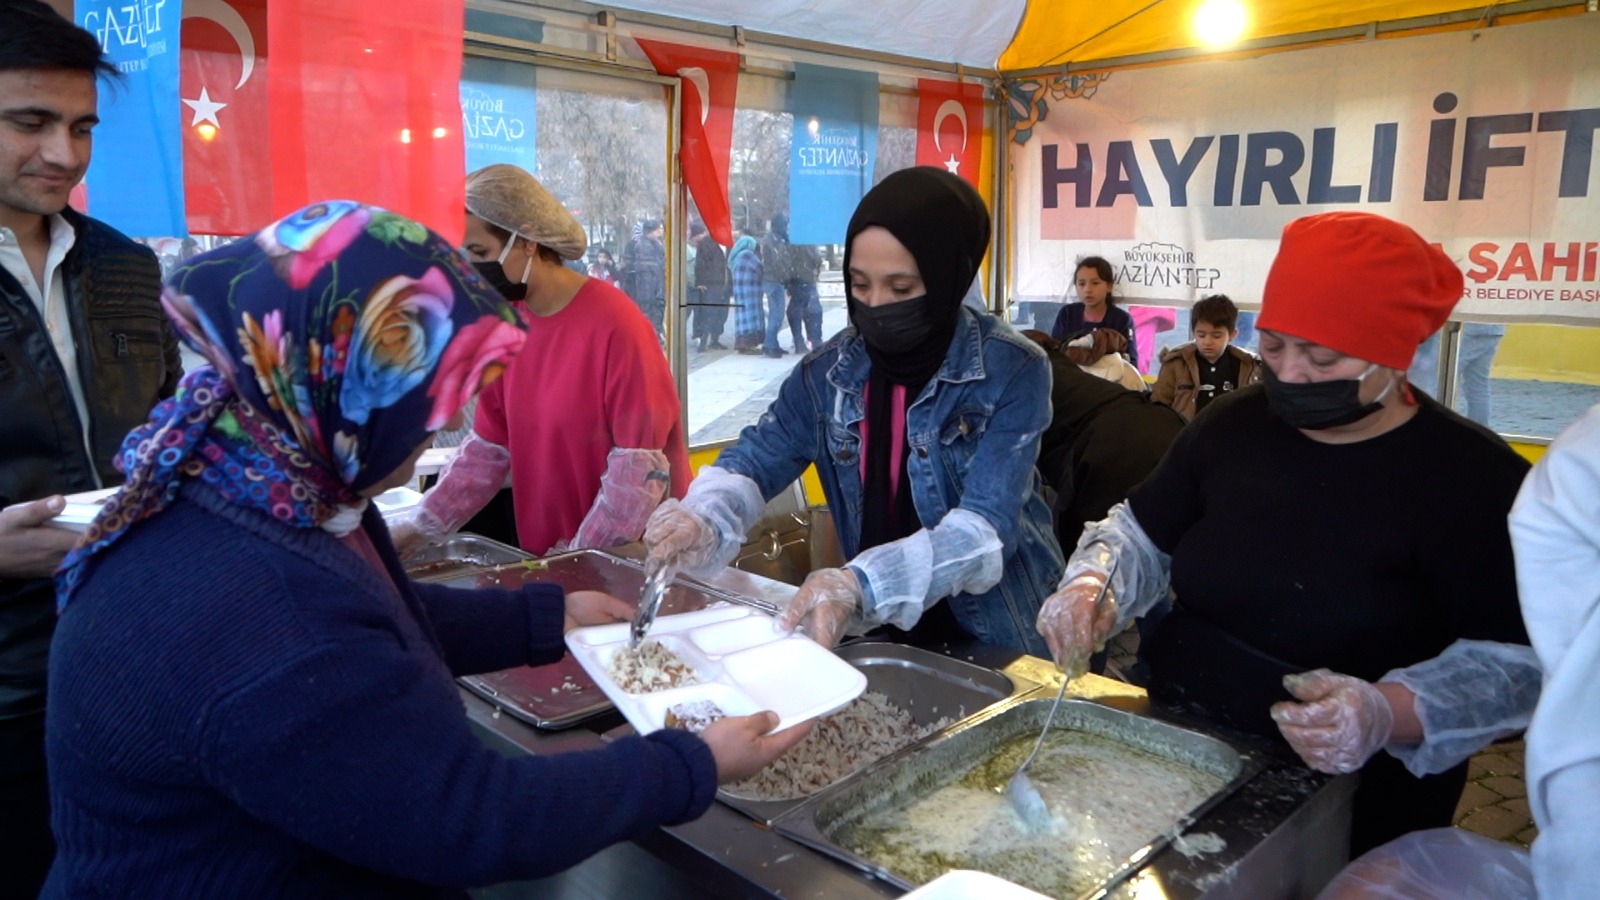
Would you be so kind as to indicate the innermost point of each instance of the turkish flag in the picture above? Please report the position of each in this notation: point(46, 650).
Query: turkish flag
point(710, 88)
point(950, 126)
point(365, 105)
point(223, 88)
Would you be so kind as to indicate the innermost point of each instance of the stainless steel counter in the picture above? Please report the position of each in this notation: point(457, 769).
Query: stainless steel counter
point(1283, 834)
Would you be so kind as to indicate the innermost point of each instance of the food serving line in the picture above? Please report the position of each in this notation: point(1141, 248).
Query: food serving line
point(1273, 829)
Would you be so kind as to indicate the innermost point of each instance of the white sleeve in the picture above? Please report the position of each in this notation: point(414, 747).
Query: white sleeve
point(1472, 694)
point(732, 503)
point(1144, 574)
point(1555, 531)
point(901, 579)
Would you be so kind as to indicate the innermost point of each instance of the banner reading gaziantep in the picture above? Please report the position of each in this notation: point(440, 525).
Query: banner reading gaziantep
point(1183, 176)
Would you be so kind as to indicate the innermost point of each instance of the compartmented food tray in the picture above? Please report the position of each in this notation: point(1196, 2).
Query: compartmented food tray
point(731, 656)
point(941, 792)
point(561, 694)
point(933, 689)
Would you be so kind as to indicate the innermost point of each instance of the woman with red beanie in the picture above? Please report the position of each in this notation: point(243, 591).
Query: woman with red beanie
point(1373, 605)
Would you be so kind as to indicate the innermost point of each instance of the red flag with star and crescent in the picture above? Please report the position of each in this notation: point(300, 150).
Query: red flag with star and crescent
point(950, 126)
point(710, 88)
point(223, 88)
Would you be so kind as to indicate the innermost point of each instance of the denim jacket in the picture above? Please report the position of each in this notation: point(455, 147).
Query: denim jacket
point(973, 434)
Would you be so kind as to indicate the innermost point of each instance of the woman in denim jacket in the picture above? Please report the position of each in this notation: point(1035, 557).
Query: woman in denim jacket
point(923, 421)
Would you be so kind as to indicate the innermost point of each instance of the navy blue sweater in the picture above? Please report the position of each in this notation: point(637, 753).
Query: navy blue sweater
point(243, 709)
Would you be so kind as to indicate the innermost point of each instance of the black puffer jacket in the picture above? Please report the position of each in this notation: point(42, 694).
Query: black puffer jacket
point(127, 361)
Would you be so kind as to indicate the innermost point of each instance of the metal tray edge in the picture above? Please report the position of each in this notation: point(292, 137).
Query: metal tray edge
point(797, 824)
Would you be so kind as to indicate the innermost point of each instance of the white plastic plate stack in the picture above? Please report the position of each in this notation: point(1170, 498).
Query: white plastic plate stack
point(741, 663)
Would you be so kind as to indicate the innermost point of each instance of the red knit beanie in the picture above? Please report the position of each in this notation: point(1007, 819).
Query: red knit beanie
point(1361, 284)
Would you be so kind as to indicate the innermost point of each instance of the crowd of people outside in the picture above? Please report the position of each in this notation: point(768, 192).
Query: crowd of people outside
point(1322, 559)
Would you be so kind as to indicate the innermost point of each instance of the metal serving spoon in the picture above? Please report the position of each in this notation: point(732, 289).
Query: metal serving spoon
point(1022, 793)
point(657, 578)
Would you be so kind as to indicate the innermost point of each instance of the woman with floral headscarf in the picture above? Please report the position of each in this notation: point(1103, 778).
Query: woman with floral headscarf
point(248, 696)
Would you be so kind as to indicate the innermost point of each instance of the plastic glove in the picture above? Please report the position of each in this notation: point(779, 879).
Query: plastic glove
point(824, 605)
point(1072, 627)
point(469, 480)
point(632, 487)
point(678, 537)
point(1339, 723)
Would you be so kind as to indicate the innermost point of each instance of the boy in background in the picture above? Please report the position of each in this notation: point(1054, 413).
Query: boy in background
point(1204, 369)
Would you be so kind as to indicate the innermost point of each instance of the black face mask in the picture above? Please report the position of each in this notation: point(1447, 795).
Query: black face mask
point(495, 274)
point(895, 327)
point(1317, 405)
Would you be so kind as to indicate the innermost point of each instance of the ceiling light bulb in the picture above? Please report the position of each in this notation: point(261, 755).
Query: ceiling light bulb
point(1219, 23)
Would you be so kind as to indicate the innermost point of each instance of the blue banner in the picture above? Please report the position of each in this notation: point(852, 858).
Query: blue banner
point(497, 112)
point(135, 180)
point(833, 151)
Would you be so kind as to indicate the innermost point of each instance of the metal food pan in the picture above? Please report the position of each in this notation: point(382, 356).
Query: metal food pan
point(948, 756)
point(561, 694)
point(928, 685)
point(459, 555)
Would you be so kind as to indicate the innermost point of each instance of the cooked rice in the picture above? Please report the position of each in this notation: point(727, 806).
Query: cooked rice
point(867, 730)
point(650, 668)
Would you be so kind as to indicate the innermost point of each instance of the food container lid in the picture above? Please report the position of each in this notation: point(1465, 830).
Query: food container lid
point(966, 884)
point(741, 662)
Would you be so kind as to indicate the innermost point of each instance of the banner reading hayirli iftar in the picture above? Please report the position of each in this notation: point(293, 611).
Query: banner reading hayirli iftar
point(1183, 176)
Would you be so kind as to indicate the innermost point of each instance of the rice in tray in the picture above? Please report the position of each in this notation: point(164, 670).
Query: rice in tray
point(650, 668)
point(867, 730)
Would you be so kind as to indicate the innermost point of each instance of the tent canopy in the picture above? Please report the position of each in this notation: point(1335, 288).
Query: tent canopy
point(1013, 35)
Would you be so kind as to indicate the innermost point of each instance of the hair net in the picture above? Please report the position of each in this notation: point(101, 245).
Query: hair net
point(509, 197)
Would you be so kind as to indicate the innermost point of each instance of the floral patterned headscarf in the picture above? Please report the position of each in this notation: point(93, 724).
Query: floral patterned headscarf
point(339, 338)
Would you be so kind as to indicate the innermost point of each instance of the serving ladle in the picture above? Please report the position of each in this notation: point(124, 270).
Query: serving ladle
point(1021, 792)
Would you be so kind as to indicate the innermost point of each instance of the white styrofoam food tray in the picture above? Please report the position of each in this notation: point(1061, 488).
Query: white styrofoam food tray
point(744, 665)
point(965, 884)
point(82, 508)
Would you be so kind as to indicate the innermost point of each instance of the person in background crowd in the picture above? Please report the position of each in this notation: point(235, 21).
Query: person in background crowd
point(586, 422)
point(1194, 374)
point(805, 306)
point(744, 264)
point(1335, 582)
point(603, 269)
point(644, 272)
point(1102, 441)
point(775, 263)
point(1479, 341)
point(923, 421)
point(1103, 353)
point(276, 715)
point(710, 292)
point(1096, 307)
point(84, 353)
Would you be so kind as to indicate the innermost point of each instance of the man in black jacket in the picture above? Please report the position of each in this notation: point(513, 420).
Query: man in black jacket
point(85, 352)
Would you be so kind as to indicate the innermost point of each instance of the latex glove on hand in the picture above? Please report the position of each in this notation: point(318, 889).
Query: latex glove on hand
point(824, 605)
point(679, 537)
point(595, 608)
point(1339, 723)
point(742, 747)
point(415, 529)
point(1072, 626)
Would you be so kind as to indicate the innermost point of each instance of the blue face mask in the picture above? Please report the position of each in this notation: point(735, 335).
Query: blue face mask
point(1316, 405)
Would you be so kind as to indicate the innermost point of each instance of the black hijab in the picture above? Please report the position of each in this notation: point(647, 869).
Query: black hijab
point(944, 224)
